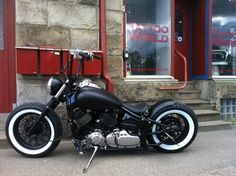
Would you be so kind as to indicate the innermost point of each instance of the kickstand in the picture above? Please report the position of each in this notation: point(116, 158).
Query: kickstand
point(91, 159)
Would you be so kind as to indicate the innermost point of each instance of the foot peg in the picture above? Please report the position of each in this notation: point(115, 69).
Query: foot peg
point(91, 159)
point(78, 146)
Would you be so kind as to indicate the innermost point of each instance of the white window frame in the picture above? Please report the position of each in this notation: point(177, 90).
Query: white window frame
point(151, 77)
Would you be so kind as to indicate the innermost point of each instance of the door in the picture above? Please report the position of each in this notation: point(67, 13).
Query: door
point(182, 37)
point(7, 55)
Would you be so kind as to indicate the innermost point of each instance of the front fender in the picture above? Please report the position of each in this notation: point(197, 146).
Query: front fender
point(160, 105)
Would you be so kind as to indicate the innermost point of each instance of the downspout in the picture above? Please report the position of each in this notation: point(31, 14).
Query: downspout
point(103, 46)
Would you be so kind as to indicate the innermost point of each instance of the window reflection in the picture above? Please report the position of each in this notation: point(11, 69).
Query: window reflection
point(224, 38)
point(148, 37)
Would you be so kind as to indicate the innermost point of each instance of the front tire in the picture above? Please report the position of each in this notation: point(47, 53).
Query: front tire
point(45, 137)
point(182, 126)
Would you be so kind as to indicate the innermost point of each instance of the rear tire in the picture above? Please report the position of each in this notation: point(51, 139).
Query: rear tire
point(182, 121)
point(43, 140)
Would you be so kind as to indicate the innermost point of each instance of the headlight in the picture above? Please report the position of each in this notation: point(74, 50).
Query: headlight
point(54, 85)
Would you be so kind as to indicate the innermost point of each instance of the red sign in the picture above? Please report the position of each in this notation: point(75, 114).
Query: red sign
point(147, 32)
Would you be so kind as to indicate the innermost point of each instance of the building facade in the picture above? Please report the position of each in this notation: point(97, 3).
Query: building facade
point(167, 42)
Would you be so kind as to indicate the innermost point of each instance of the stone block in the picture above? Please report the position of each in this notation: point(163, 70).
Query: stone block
point(30, 87)
point(32, 12)
point(114, 45)
point(35, 35)
point(67, 15)
point(114, 22)
point(85, 39)
point(115, 66)
point(114, 5)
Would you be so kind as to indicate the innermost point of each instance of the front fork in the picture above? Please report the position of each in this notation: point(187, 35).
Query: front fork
point(51, 105)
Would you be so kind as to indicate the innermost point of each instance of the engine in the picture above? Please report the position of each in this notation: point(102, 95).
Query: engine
point(100, 129)
point(106, 118)
point(116, 139)
point(122, 139)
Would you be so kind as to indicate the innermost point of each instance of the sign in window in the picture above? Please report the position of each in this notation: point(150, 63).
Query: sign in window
point(148, 37)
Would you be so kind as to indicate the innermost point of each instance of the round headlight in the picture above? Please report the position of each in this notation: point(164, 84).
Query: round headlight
point(54, 85)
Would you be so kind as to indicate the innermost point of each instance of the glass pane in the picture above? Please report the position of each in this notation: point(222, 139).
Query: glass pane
point(148, 37)
point(1, 26)
point(224, 38)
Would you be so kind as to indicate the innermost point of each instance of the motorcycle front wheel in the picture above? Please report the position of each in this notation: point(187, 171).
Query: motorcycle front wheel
point(180, 130)
point(44, 138)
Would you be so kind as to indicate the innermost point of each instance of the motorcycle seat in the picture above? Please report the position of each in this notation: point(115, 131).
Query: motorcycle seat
point(138, 108)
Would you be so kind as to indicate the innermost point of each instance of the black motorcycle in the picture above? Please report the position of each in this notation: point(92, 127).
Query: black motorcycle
point(98, 120)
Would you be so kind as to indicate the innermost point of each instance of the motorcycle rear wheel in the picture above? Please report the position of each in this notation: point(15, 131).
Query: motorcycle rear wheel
point(182, 126)
point(44, 138)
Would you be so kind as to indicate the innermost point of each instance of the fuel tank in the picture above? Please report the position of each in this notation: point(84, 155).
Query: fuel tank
point(93, 98)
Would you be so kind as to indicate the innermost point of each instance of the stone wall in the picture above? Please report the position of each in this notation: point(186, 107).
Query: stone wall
point(216, 90)
point(64, 23)
point(225, 89)
point(115, 39)
point(75, 24)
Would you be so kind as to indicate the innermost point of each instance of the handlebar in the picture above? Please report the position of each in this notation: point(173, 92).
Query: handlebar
point(84, 54)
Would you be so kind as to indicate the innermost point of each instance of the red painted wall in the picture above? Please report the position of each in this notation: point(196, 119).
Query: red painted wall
point(198, 37)
point(7, 59)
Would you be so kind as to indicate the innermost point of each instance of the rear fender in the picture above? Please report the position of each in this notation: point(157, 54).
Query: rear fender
point(160, 105)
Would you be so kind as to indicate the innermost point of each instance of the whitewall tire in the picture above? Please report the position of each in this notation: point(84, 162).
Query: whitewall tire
point(183, 127)
point(46, 136)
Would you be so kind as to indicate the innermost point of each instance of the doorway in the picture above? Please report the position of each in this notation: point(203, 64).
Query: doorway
point(192, 38)
point(182, 36)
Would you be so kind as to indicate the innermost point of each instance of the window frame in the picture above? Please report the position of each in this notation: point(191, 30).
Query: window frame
point(216, 77)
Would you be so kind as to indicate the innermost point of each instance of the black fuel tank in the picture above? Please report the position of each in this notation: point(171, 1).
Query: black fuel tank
point(93, 98)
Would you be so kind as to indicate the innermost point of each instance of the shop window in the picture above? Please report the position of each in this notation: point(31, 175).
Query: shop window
point(148, 37)
point(228, 109)
point(224, 38)
point(1, 27)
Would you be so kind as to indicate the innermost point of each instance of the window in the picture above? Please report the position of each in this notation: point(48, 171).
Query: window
point(148, 37)
point(228, 109)
point(224, 38)
point(1, 26)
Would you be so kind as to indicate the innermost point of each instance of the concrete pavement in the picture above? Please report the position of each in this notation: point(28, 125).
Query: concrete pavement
point(212, 153)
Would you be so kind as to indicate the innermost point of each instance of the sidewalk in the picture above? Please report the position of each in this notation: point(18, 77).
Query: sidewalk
point(211, 154)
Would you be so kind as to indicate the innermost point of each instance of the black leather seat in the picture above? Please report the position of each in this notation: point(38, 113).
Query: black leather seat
point(139, 108)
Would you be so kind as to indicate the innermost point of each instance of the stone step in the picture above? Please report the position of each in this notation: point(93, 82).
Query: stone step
point(214, 125)
point(190, 85)
point(197, 104)
point(207, 115)
point(190, 94)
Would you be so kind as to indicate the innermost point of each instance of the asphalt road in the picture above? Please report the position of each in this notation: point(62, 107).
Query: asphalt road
point(212, 153)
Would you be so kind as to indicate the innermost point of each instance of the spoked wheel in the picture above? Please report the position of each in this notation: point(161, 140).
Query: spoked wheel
point(42, 139)
point(179, 131)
